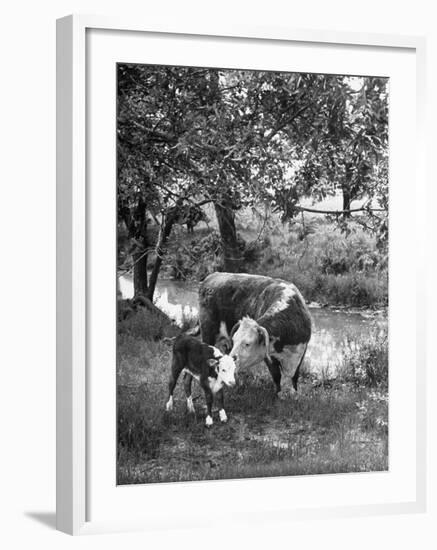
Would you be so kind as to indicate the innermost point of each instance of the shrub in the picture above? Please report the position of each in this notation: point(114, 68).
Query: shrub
point(194, 258)
point(365, 362)
point(373, 411)
point(149, 324)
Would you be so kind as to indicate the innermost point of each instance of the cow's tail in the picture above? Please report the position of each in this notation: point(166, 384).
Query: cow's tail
point(295, 377)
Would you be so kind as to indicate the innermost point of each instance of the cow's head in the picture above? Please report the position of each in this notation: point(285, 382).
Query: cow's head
point(251, 343)
point(225, 368)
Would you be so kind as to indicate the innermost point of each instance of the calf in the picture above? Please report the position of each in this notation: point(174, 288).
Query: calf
point(208, 366)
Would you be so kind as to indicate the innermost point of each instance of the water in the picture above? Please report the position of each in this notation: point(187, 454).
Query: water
point(330, 327)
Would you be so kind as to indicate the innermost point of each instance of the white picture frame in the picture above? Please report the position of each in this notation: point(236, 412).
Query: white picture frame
point(74, 463)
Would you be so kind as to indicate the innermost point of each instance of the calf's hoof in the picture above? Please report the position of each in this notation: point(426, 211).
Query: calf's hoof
point(208, 421)
point(169, 405)
point(223, 416)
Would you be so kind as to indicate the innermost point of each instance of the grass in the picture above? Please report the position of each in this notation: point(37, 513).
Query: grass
point(328, 265)
point(333, 425)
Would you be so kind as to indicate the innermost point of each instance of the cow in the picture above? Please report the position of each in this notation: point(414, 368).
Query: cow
point(208, 366)
point(266, 318)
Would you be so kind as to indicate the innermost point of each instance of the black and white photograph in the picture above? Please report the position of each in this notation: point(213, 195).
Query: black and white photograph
point(252, 273)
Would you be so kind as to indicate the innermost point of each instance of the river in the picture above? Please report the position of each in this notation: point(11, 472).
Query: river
point(331, 327)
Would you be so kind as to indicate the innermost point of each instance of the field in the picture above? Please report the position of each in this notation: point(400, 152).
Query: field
point(331, 425)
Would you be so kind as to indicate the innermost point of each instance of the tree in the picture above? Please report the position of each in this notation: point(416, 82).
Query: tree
point(192, 136)
point(349, 152)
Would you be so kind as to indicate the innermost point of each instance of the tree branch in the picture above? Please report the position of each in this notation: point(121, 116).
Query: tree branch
point(338, 212)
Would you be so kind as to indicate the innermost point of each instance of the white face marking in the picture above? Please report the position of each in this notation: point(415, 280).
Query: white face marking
point(246, 347)
point(169, 404)
point(190, 405)
point(222, 415)
point(226, 371)
point(208, 421)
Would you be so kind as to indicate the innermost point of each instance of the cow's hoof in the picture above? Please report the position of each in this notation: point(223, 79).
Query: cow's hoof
point(208, 422)
point(223, 415)
point(280, 395)
point(169, 405)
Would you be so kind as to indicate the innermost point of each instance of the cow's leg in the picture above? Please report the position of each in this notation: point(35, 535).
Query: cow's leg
point(295, 377)
point(221, 403)
point(176, 368)
point(291, 359)
point(187, 385)
point(209, 400)
point(209, 326)
point(274, 366)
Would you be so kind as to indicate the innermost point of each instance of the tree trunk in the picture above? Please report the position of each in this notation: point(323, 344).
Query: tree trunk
point(164, 234)
point(231, 252)
point(136, 224)
point(346, 189)
point(140, 273)
point(346, 202)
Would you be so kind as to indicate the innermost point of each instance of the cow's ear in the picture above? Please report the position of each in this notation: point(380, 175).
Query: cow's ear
point(264, 339)
point(261, 335)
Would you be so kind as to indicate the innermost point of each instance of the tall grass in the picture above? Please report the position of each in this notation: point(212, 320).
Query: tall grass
point(365, 362)
point(329, 265)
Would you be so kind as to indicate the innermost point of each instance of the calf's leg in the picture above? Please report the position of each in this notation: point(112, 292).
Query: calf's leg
point(221, 402)
point(187, 385)
point(176, 368)
point(209, 399)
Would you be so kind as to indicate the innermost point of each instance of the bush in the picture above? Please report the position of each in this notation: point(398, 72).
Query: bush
point(355, 252)
point(365, 362)
point(373, 411)
point(194, 258)
point(327, 265)
point(149, 324)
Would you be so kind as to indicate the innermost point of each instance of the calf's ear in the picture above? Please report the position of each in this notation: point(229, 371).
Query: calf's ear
point(213, 363)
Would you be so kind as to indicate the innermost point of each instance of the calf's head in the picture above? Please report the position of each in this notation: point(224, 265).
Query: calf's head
point(225, 368)
point(250, 343)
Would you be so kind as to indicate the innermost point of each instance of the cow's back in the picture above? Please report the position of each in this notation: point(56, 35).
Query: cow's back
point(229, 297)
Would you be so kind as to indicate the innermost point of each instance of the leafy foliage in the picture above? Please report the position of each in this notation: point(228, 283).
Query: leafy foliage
point(189, 136)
